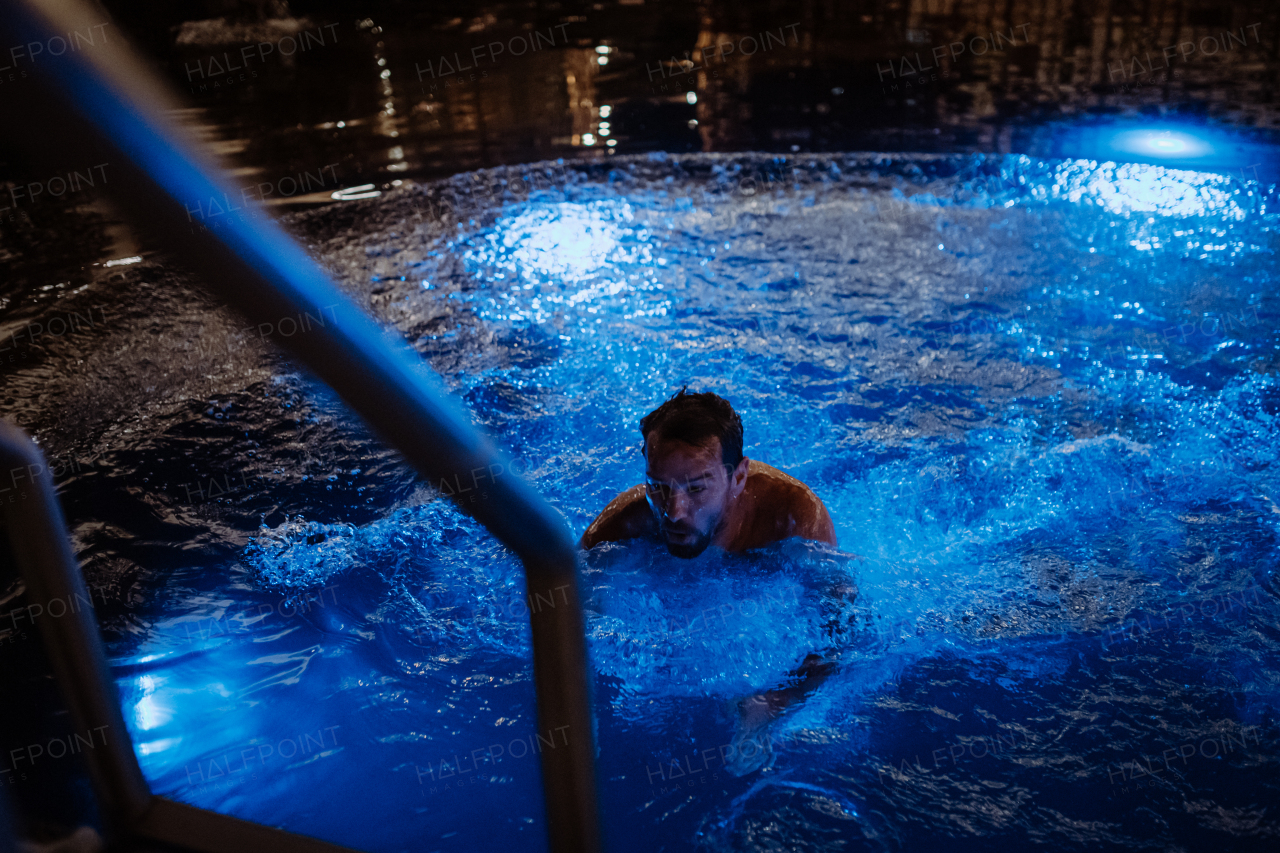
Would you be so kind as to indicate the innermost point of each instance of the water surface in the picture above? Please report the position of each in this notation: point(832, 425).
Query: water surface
point(1038, 398)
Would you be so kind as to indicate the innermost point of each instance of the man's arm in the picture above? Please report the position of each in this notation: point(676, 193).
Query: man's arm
point(758, 711)
point(626, 517)
point(761, 708)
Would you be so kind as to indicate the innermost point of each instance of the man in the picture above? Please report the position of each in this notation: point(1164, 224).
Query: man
point(700, 490)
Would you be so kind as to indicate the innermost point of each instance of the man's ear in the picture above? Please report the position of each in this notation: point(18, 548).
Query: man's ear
point(738, 477)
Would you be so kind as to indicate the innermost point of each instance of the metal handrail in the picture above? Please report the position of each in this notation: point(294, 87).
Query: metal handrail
point(103, 103)
point(41, 547)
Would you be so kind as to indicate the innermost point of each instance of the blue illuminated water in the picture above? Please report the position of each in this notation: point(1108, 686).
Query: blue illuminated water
point(1040, 401)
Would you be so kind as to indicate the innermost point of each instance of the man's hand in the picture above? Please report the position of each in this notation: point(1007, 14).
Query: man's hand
point(752, 746)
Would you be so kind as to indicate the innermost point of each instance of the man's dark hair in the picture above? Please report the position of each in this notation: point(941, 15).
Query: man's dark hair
point(695, 419)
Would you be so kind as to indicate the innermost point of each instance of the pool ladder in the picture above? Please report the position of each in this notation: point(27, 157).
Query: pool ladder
point(103, 103)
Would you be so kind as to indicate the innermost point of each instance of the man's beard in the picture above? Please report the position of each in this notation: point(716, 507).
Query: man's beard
point(689, 547)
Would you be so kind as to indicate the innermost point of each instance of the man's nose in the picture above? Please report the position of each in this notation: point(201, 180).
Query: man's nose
point(678, 506)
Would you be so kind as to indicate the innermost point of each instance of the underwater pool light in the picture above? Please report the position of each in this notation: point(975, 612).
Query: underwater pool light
point(1185, 145)
point(1171, 144)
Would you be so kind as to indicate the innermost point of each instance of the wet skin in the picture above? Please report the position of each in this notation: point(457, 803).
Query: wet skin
point(690, 500)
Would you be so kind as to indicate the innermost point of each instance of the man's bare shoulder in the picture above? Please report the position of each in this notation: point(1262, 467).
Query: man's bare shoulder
point(756, 468)
point(785, 506)
point(779, 486)
point(626, 517)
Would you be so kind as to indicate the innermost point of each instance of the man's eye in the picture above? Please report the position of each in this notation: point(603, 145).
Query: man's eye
point(693, 490)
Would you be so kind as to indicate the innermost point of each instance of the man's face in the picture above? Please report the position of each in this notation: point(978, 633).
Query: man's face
point(689, 489)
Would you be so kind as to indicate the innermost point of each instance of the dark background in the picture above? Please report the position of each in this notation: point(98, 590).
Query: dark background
point(373, 103)
point(851, 75)
point(838, 83)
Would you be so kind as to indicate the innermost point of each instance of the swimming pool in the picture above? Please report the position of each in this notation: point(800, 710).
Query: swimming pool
point(1037, 397)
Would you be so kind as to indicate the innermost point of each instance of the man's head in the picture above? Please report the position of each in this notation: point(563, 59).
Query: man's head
point(694, 468)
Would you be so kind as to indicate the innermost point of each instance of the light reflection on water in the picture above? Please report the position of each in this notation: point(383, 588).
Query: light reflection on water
point(566, 255)
point(1142, 188)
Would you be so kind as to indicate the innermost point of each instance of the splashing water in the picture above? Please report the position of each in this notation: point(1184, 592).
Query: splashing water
point(1039, 401)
